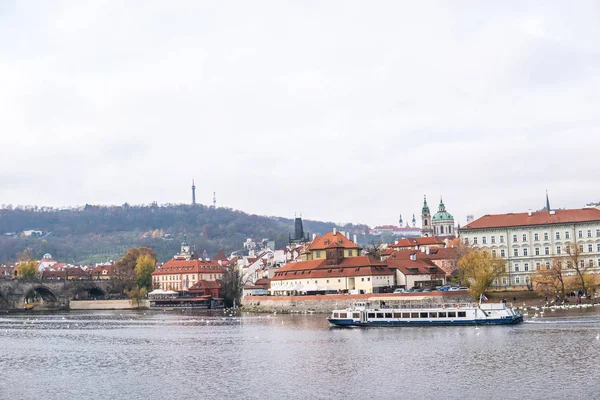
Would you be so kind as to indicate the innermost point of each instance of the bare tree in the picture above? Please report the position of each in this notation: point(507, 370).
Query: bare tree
point(550, 281)
point(575, 260)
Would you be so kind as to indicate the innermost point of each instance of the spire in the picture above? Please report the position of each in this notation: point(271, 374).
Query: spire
point(547, 201)
point(425, 209)
point(400, 221)
point(414, 221)
point(442, 207)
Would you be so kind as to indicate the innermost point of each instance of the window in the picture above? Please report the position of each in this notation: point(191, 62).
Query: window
point(502, 253)
point(474, 240)
point(536, 236)
point(501, 238)
point(461, 314)
point(318, 254)
point(567, 236)
point(466, 240)
point(580, 234)
point(597, 232)
point(590, 248)
point(582, 264)
point(516, 252)
point(339, 280)
point(484, 240)
point(590, 263)
point(514, 238)
point(589, 233)
point(580, 248)
point(557, 235)
point(524, 237)
point(537, 251)
point(517, 280)
point(368, 280)
point(349, 253)
point(598, 248)
point(525, 251)
point(537, 266)
point(547, 264)
point(493, 239)
point(504, 281)
point(516, 267)
point(493, 254)
point(547, 251)
point(525, 267)
point(557, 249)
point(545, 235)
point(599, 262)
point(362, 279)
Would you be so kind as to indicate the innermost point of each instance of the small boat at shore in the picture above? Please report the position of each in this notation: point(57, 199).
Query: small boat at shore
point(381, 313)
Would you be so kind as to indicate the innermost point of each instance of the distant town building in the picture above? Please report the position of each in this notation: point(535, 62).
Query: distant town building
point(530, 241)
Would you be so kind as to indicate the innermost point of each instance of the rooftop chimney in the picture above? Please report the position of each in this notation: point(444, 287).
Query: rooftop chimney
point(314, 236)
point(355, 239)
point(413, 257)
point(334, 230)
point(529, 212)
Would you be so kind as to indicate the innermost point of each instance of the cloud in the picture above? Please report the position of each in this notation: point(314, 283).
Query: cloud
point(342, 111)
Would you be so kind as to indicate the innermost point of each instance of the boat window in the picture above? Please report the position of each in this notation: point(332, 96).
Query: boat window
point(388, 315)
point(379, 315)
point(414, 315)
point(462, 314)
point(442, 315)
point(451, 314)
point(343, 315)
point(423, 315)
point(356, 315)
point(432, 315)
point(336, 315)
point(371, 315)
point(397, 315)
point(405, 315)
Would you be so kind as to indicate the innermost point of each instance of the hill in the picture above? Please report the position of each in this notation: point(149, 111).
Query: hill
point(99, 233)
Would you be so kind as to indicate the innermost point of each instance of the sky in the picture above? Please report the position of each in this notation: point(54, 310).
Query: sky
point(343, 111)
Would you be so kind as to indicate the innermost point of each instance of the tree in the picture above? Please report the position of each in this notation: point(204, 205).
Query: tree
point(233, 284)
point(575, 260)
point(479, 268)
point(124, 275)
point(136, 294)
point(144, 267)
point(27, 269)
point(550, 281)
point(374, 249)
point(456, 253)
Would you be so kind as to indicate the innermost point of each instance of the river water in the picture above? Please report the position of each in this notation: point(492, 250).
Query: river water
point(168, 355)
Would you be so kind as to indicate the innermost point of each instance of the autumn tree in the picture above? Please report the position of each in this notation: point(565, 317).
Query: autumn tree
point(136, 294)
point(233, 284)
point(124, 271)
point(27, 269)
point(550, 281)
point(575, 260)
point(144, 267)
point(479, 268)
point(456, 253)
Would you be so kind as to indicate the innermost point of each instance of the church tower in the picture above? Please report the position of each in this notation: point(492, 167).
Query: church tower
point(400, 221)
point(414, 221)
point(426, 219)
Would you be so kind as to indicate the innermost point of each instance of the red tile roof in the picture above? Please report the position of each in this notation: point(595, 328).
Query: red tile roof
point(536, 218)
point(422, 265)
point(329, 240)
point(204, 285)
point(350, 266)
point(221, 256)
point(174, 266)
point(412, 242)
point(442, 253)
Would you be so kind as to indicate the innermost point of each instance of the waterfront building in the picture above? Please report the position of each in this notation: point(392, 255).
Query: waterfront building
point(414, 269)
point(421, 243)
point(185, 269)
point(530, 241)
point(332, 263)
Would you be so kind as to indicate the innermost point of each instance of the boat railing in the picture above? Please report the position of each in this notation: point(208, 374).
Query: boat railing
point(405, 306)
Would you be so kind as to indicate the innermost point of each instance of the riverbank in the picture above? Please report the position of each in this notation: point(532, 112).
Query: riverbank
point(526, 298)
point(325, 303)
point(121, 304)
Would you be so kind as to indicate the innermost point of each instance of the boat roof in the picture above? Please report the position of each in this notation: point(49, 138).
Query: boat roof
point(397, 298)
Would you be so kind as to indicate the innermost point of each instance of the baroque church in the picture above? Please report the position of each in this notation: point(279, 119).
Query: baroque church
point(441, 224)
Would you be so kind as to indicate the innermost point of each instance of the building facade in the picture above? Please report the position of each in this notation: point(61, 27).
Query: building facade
point(530, 241)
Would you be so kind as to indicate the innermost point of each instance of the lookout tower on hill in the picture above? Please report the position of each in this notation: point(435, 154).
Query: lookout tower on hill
point(299, 235)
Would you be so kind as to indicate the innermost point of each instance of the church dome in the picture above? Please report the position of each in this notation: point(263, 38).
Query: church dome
point(442, 216)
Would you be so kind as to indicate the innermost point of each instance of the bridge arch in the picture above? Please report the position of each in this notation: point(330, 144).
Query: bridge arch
point(88, 293)
point(40, 295)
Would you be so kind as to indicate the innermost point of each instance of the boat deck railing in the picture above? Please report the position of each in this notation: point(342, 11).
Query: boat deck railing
point(384, 305)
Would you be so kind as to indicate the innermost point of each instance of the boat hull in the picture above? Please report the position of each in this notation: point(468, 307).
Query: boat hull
point(466, 322)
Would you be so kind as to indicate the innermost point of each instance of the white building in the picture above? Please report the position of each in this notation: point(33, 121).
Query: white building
point(529, 241)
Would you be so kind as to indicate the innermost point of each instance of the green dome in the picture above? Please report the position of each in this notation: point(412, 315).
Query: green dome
point(442, 216)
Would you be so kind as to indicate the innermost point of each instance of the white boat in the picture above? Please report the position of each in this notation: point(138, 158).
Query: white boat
point(411, 313)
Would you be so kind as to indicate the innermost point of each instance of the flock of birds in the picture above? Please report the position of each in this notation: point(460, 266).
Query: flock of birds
point(525, 310)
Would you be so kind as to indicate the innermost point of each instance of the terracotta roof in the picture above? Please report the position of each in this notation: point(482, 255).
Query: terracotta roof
point(411, 242)
point(350, 266)
point(194, 266)
point(442, 253)
point(536, 218)
point(329, 240)
point(221, 256)
point(49, 274)
point(420, 266)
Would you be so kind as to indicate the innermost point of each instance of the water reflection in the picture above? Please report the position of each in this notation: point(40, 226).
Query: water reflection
point(117, 355)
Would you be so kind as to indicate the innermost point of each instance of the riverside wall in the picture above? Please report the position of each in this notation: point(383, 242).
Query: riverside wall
point(326, 303)
point(124, 304)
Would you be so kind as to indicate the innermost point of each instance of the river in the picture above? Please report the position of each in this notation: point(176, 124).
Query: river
point(175, 355)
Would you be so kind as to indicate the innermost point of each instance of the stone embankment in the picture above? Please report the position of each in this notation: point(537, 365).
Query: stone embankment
point(124, 304)
point(326, 303)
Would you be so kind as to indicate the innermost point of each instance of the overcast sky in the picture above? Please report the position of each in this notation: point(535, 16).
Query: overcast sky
point(344, 111)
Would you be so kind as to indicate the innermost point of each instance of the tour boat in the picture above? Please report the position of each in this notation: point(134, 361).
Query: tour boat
point(411, 313)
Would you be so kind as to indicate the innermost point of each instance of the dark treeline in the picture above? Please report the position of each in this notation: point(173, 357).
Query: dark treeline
point(99, 233)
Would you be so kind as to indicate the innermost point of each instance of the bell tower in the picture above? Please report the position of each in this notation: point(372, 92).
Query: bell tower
point(426, 219)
